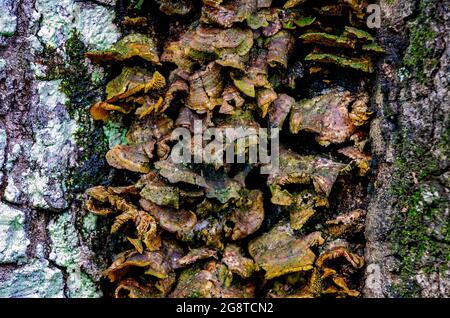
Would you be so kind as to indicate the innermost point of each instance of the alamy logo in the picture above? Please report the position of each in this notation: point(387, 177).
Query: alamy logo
point(227, 145)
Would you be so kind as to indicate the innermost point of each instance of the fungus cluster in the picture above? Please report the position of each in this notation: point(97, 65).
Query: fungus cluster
point(223, 230)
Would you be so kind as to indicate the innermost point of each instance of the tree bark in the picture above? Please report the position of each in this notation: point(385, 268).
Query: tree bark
point(407, 226)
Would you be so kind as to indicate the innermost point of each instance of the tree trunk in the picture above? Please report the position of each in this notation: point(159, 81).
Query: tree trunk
point(51, 151)
point(407, 227)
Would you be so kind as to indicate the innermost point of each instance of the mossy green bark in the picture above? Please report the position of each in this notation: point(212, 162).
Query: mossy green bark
point(90, 138)
point(419, 246)
point(419, 57)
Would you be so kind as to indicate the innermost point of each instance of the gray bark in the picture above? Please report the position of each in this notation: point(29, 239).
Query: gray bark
point(407, 226)
point(47, 242)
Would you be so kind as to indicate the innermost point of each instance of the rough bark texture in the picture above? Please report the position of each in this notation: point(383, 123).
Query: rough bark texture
point(50, 151)
point(49, 148)
point(407, 229)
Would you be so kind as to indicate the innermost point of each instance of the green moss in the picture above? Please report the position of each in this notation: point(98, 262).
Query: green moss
point(413, 242)
point(414, 160)
point(82, 91)
point(76, 79)
point(54, 63)
point(414, 168)
point(419, 57)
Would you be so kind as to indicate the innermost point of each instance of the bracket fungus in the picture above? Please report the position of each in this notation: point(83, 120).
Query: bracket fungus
point(280, 252)
point(132, 45)
point(219, 229)
point(334, 116)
